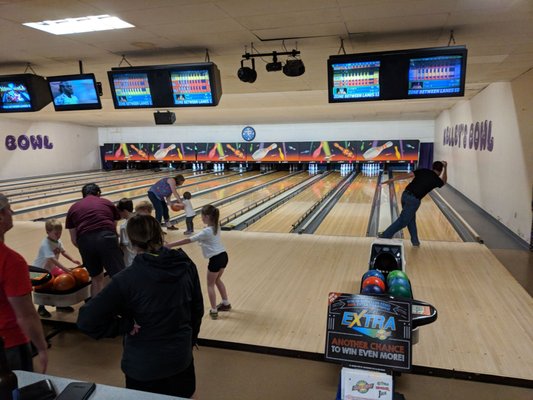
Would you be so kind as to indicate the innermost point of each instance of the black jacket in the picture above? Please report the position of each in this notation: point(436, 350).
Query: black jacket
point(161, 293)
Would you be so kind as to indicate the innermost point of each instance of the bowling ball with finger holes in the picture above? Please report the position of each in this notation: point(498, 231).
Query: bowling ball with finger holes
point(374, 281)
point(177, 206)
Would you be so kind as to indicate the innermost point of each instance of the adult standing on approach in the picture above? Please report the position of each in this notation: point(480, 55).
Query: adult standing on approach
point(92, 224)
point(157, 305)
point(425, 180)
point(19, 322)
point(160, 193)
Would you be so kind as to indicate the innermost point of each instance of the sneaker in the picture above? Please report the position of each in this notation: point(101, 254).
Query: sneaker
point(223, 307)
point(213, 314)
point(65, 309)
point(416, 244)
point(43, 312)
point(187, 233)
point(172, 228)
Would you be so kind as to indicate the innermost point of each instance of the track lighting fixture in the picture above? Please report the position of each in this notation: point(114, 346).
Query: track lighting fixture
point(247, 74)
point(292, 67)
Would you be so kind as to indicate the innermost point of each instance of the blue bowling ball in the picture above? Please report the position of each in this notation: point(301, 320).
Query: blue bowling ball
point(372, 289)
point(373, 272)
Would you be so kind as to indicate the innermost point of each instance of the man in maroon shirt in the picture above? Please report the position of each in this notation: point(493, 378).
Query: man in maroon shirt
point(92, 226)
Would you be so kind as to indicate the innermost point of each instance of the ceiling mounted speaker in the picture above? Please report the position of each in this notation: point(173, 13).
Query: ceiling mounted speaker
point(164, 118)
point(294, 68)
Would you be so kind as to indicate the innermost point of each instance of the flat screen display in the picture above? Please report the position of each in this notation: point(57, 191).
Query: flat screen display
point(439, 75)
point(192, 87)
point(131, 89)
point(14, 95)
point(355, 80)
point(74, 92)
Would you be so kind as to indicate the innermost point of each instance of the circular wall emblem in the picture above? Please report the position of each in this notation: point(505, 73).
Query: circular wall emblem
point(248, 133)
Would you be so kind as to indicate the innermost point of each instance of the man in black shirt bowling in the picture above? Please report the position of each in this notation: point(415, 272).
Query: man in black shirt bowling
point(425, 180)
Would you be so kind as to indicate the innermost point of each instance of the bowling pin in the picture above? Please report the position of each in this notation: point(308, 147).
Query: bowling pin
point(261, 153)
point(162, 153)
point(376, 151)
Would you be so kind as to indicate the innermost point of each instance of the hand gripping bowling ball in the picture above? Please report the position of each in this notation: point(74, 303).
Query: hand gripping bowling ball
point(80, 275)
point(64, 282)
point(374, 280)
point(177, 206)
point(373, 272)
point(372, 289)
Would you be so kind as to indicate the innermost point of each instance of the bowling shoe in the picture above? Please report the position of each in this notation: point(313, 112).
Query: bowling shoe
point(223, 307)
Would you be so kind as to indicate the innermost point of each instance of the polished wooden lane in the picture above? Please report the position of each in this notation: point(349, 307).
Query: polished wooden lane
point(282, 218)
point(431, 223)
point(350, 215)
point(279, 283)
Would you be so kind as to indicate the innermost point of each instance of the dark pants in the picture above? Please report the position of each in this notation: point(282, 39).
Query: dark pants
point(407, 218)
point(189, 223)
point(160, 207)
point(99, 250)
point(183, 384)
point(19, 357)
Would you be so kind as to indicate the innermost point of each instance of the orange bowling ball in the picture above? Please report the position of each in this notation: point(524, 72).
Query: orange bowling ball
point(81, 275)
point(177, 206)
point(64, 282)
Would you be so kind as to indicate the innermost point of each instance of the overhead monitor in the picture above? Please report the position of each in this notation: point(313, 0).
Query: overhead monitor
point(357, 80)
point(22, 93)
point(436, 76)
point(74, 92)
point(166, 86)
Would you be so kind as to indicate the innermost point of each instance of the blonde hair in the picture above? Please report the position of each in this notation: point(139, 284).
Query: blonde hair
point(53, 225)
point(144, 206)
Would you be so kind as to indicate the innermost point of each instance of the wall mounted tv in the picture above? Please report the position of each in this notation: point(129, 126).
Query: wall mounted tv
point(74, 92)
point(394, 75)
point(166, 86)
point(23, 92)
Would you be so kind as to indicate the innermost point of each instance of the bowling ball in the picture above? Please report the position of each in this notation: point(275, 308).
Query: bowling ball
point(56, 271)
point(45, 286)
point(177, 206)
point(396, 273)
point(400, 291)
point(373, 272)
point(64, 282)
point(372, 289)
point(398, 281)
point(374, 280)
point(80, 275)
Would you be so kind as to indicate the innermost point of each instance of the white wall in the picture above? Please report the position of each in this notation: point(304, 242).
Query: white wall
point(495, 180)
point(421, 130)
point(74, 148)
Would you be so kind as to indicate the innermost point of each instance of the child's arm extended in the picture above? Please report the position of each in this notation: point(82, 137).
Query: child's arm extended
point(69, 257)
point(58, 264)
point(178, 243)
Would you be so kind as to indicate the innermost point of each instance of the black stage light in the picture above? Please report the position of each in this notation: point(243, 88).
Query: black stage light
point(275, 65)
point(247, 74)
point(294, 68)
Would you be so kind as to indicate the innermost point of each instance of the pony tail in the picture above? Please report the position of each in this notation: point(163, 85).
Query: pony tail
point(214, 214)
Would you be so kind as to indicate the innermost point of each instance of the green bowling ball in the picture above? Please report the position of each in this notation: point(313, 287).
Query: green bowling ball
point(400, 291)
point(396, 274)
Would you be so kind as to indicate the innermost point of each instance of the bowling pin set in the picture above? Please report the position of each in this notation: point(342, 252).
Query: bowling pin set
point(370, 169)
point(346, 169)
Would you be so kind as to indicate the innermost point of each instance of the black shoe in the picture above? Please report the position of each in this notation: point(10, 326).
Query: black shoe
point(65, 309)
point(43, 312)
point(172, 228)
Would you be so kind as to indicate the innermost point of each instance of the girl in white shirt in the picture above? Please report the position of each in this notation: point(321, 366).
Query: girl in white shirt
point(214, 250)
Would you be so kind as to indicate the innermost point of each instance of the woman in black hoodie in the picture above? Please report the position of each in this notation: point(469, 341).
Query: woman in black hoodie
point(157, 305)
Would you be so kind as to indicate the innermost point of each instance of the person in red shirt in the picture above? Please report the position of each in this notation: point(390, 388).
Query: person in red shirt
point(19, 321)
point(92, 224)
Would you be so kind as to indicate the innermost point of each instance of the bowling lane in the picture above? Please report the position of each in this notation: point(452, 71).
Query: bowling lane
point(282, 218)
point(32, 182)
point(431, 223)
point(244, 201)
point(141, 193)
point(350, 215)
point(51, 190)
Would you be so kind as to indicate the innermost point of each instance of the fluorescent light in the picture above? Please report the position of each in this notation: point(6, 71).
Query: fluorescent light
point(91, 23)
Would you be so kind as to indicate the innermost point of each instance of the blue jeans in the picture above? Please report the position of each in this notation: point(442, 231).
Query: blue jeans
point(407, 219)
point(160, 207)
